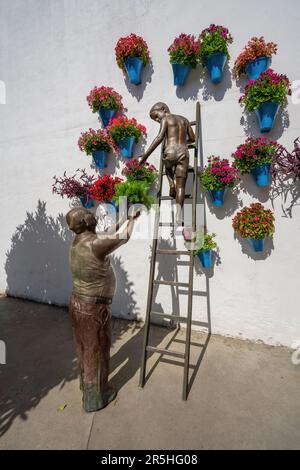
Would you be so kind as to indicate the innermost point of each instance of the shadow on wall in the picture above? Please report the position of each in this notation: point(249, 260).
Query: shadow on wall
point(37, 264)
point(209, 90)
point(124, 303)
point(289, 192)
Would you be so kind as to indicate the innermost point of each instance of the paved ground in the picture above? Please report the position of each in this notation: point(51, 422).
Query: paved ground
point(244, 395)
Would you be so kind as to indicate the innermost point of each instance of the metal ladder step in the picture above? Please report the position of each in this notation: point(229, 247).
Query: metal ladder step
point(170, 198)
point(168, 316)
point(172, 283)
point(165, 351)
point(161, 251)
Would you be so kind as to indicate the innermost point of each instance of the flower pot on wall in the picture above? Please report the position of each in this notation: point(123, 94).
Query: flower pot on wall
point(134, 67)
point(180, 73)
point(257, 244)
point(215, 65)
point(255, 67)
point(266, 114)
point(106, 114)
point(261, 175)
point(126, 146)
point(206, 258)
point(100, 158)
point(87, 202)
point(217, 196)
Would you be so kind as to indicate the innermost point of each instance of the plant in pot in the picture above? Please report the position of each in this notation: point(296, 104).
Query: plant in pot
point(135, 192)
point(214, 50)
point(104, 189)
point(254, 223)
point(105, 101)
point(287, 164)
point(217, 177)
point(76, 186)
point(255, 156)
point(184, 55)
point(205, 253)
point(125, 132)
point(98, 144)
point(254, 59)
point(264, 96)
point(132, 54)
point(135, 171)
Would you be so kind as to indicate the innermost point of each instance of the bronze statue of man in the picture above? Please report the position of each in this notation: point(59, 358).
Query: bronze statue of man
point(94, 285)
point(178, 133)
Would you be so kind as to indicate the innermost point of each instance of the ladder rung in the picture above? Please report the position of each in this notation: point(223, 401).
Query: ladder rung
point(192, 146)
point(166, 224)
point(165, 351)
point(193, 123)
point(160, 251)
point(170, 198)
point(169, 317)
point(172, 283)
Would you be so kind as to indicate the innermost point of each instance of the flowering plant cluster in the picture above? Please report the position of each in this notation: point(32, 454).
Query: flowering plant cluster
point(184, 50)
point(256, 47)
point(104, 97)
point(78, 185)
point(122, 127)
point(218, 174)
point(255, 151)
point(142, 172)
point(103, 189)
point(131, 46)
point(254, 222)
point(214, 39)
point(96, 140)
point(269, 87)
point(136, 192)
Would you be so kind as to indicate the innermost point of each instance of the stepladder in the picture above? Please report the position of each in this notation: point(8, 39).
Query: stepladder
point(151, 314)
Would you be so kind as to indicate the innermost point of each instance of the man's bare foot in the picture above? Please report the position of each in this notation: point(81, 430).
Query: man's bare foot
point(172, 192)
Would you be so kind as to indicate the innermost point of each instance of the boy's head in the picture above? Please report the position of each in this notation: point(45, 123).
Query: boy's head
point(81, 220)
point(158, 111)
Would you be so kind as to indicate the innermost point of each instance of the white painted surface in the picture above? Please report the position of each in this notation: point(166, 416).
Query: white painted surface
point(51, 54)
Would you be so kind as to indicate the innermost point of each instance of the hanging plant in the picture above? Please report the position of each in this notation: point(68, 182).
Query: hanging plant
point(265, 95)
point(136, 192)
point(184, 55)
point(214, 50)
point(76, 186)
point(106, 101)
point(135, 171)
point(205, 253)
point(217, 177)
point(255, 156)
point(254, 223)
point(125, 132)
point(103, 189)
point(97, 143)
point(255, 58)
point(132, 54)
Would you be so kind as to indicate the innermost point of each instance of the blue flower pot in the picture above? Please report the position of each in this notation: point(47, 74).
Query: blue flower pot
point(215, 65)
point(217, 196)
point(257, 244)
point(100, 158)
point(126, 146)
point(180, 73)
point(87, 202)
point(106, 114)
point(134, 67)
point(261, 174)
point(266, 114)
point(257, 66)
point(206, 258)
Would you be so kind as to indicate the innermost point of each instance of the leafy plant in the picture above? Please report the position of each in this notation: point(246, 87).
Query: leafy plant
point(269, 87)
point(218, 174)
point(208, 243)
point(104, 97)
point(143, 172)
point(103, 189)
point(184, 50)
point(256, 47)
point(214, 39)
point(122, 127)
point(254, 222)
point(96, 140)
point(131, 46)
point(135, 192)
point(254, 152)
point(286, 164)
point(76, 186)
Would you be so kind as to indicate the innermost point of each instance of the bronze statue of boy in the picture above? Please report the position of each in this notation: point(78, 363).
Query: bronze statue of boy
point(178, 133)
point(94, 286)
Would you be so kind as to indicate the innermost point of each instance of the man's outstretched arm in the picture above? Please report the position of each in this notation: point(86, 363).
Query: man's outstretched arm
point(158, 140)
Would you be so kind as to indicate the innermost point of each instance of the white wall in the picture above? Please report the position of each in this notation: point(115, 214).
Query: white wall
point(52, 52)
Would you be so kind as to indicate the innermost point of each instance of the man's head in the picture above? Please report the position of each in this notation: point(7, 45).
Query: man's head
point(81, 220)
point(158, 111)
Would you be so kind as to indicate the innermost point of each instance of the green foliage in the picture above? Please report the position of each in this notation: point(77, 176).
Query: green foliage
point(208, 243)
point(212, 43)
point(264, 93)
point(135, 191)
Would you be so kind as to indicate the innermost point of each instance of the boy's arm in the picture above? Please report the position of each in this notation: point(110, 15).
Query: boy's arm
point(190, 133)
point(158, 140)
